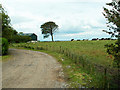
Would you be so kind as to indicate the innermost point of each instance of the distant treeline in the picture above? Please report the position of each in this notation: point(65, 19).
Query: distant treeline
point(95, 39)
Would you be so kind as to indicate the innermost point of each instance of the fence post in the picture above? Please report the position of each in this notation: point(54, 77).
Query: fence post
point(50, 48)
point(79, 60)
point(68, 53)
point(46, 47)
point(91, 68)
point(105, 78)
point(63, 51)
point(72, 57)
point(75, 59)
point(60, 49)
point(83, 63)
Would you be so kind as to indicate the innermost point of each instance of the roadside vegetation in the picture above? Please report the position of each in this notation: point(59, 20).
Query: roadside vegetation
point(85, 63)
point(113, 23)
point(4, 46)
point(8, 34)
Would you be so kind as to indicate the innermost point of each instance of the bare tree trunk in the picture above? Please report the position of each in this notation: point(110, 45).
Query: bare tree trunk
point(52, 37)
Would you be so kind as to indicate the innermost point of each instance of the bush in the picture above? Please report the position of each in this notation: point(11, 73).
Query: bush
point(19, 39)
point(0, 46)
point(4, 46)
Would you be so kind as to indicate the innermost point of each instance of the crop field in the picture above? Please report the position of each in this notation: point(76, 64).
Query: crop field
point(89, 56)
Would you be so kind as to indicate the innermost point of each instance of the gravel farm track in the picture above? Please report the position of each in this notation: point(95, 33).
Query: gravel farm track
point(31, 69)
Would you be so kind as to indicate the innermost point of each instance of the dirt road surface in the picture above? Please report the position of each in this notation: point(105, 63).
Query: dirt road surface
point(31, 69)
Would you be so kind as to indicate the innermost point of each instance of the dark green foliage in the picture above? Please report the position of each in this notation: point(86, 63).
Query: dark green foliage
point(113, 18)
point(5, 18)
point(49, 28)
point(4, 46)
point(8, 31)
point(114, 49)
point(19, 38)
point(24, 38)
point(0, 46)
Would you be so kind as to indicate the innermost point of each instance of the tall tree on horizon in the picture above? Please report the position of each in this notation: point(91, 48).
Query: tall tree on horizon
point(49, 28)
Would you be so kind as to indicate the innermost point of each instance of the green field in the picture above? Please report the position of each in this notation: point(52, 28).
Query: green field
point(89, 63)
point(92, 50)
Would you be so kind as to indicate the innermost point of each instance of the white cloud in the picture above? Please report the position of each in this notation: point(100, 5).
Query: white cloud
point(73, 16)
point(41, 1)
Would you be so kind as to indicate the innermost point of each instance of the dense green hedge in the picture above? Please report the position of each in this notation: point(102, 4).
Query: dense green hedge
point(17, 38)
point(0, 46)
point(20, 39)
point(3, 46)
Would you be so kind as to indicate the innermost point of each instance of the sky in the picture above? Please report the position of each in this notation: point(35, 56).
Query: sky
point(77, 19)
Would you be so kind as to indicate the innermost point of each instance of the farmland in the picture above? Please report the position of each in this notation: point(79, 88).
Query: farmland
point(84, 62)
point(92, 50)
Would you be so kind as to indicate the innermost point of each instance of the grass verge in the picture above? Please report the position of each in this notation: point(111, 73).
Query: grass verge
point(5, 58)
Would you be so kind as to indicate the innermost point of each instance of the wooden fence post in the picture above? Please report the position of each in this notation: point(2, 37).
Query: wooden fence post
point(83, 63)
point(60, 49)
point(75, 59)
point(79, 60)
point(63, 50)
point(105, 78)
point(50, 48)
point(72, 56)
point(68, 53)
point(46, 47)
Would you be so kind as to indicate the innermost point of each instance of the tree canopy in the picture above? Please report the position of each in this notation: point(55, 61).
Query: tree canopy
point(113, 23)
point(113, 18)
point(8, 31)
point(49, 28)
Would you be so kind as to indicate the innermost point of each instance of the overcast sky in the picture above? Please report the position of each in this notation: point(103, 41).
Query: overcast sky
point(78, 19)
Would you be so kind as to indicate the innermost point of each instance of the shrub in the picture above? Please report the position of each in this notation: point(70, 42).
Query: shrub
point(19, 39)
point(4, 46)
point(0, 46)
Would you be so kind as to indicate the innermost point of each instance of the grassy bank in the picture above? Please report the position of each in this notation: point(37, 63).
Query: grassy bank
point(5, 58)
point(85, 63)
